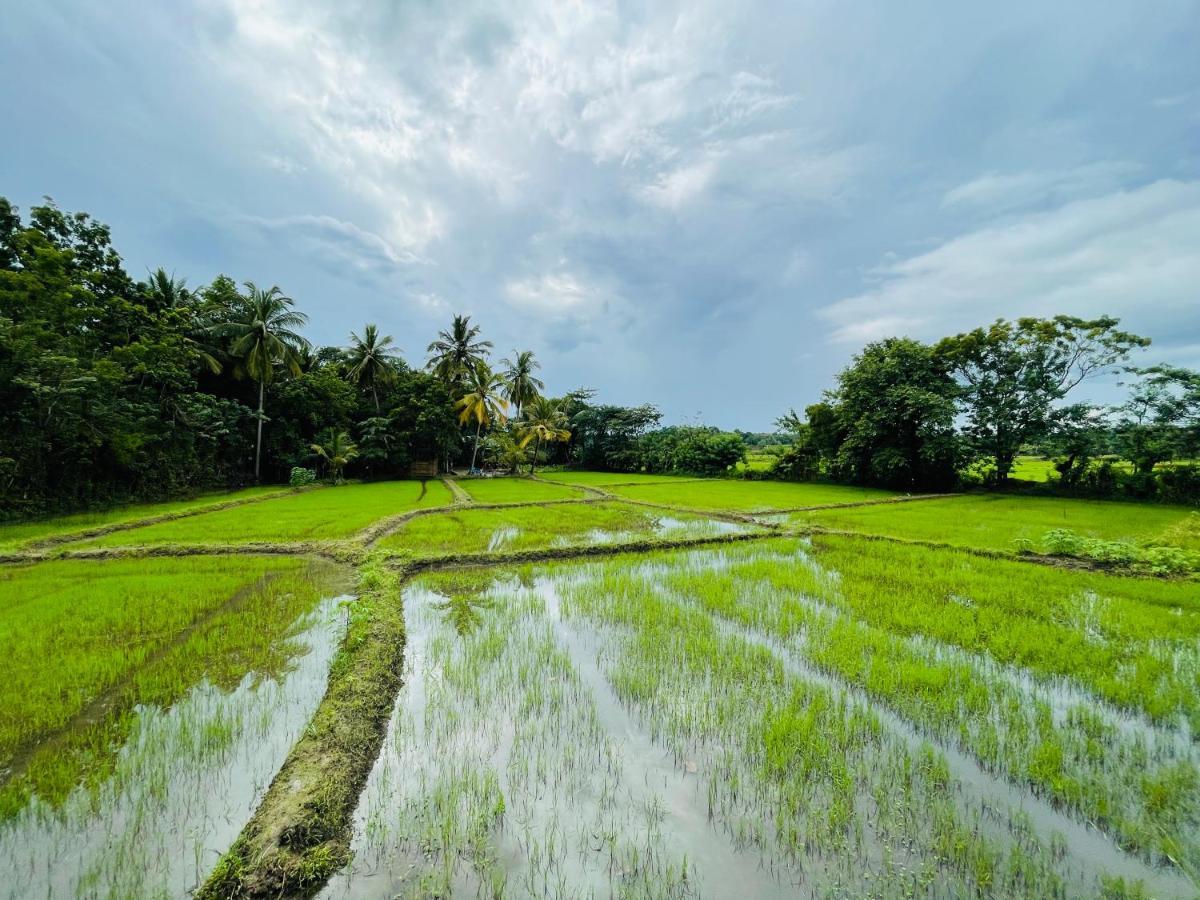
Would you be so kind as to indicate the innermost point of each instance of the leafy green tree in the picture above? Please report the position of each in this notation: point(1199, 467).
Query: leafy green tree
point(520, 384)
point(606, 437)
point(337, 451)
point(544, 422)
point(260, 339)
point(894, 410)
point(1012, 375)
point(372, 361)
point(483, 402)
point(454, 354)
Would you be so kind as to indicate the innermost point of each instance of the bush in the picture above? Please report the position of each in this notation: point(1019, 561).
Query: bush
point(1158, 560)
point(301, 476)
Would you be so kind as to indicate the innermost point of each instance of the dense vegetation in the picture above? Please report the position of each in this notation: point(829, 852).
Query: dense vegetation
point(910, 415)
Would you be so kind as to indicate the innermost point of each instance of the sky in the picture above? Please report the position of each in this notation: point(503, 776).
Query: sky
point(710, 206)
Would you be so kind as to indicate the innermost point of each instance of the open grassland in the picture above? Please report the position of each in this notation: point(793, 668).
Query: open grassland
point(326, 514)
point(776, 713)
point(600, 479)
point(994, 521)
point(469, 530)
point(515, 490)
point(18, 534)
point(748, 496)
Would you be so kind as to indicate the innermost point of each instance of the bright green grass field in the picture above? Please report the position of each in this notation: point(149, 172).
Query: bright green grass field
point(326, 514)
point(469, 530)
point(24, 532)
point(128, 632)
point(600, 479)
point(992, 521)
point(748, 496)
point(515, 490)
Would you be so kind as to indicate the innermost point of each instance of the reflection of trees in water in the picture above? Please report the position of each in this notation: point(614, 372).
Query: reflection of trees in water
point(463, 611)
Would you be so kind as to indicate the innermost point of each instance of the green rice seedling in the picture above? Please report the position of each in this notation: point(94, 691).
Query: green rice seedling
point(603, 479)
point(525, 528)
point(796, 766)
point(325, 514)
point(87, 644)
point(748, 496)
point(998, 522)
point(186, 780)
point(1066, 749)
point(516, 490)
point(15, 535)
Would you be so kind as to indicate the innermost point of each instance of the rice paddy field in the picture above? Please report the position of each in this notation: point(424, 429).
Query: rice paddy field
point(592, 685)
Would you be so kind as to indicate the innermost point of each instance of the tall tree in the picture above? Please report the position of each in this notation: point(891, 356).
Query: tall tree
point(260, 339)
point(483, 402)
point(520, 384)
point(372, 361)
point(454, 354)
point(546, 422)
point(1012, 375)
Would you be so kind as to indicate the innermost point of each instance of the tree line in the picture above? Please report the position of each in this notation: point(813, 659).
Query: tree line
point(919, 416)
point(117, 389)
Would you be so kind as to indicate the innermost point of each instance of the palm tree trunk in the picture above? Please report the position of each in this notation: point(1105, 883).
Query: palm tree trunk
point(258, 443)
point(475, 452)
point(375, 394)
point(536, 450)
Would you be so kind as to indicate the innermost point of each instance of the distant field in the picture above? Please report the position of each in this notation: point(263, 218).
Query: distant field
point(325, 514)
point(514, 490)
point(18, 534)
point(602, 478)
point(468, 530)
point(995, 522)
point(748, 496)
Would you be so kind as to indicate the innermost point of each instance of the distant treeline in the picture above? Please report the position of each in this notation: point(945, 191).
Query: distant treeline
point(910, 415)
point(115, 389)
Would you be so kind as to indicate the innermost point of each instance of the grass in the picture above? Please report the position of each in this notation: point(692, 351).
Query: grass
point(515, 490)
point(19, 534)
point(992, 521)
point(87, 643)
point(749, 496)
point(469, 530)
point(326, 514)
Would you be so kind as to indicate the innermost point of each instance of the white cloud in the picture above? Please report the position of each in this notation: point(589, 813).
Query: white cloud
point(1127, 253)
point(554, 295)
point(676, 188)
point(995, 192)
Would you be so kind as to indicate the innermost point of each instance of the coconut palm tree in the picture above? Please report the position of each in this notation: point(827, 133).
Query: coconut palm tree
point(483, 401)
point(167, 291)
point(546, 422)
point(372, 360)
point(261, 337)
point(520, 384)
point(454, 353)
point(335, 447)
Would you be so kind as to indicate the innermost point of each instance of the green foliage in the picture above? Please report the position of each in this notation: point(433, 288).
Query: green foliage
point(1013, 373)
point(116, 390)
point(690, 449)
point(1152, 560)
point(301, 477)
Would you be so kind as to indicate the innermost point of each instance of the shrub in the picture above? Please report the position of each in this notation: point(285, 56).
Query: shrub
point(301, 476)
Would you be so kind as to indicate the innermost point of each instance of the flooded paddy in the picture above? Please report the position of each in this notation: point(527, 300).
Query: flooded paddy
point(671, 725)
point(173, 693)
point(470, 530)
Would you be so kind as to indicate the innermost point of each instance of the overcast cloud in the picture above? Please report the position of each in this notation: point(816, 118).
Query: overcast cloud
point(710, 206)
